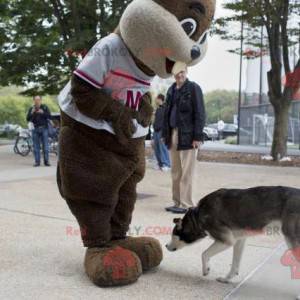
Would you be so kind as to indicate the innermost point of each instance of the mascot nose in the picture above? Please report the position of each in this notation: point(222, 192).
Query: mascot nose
point(195, 52)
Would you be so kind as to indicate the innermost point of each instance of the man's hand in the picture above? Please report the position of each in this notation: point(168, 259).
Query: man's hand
point(196, 144)
point(40, 111)
point(145, 112)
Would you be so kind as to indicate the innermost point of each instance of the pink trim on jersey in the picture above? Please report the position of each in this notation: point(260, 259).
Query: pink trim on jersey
point(86, 77)
point(131, 77)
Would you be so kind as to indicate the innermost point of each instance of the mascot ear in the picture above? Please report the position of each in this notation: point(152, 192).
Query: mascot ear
point(178, 223)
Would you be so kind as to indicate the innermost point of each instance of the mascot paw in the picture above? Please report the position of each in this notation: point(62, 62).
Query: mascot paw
point(124, 128)
point(144, 115)
point(147, 249)
point(113, 266)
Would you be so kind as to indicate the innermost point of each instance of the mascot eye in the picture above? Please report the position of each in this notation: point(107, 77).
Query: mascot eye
point(189, 26)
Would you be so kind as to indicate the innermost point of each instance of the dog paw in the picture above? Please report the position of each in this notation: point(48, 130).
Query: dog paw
point(223, 280)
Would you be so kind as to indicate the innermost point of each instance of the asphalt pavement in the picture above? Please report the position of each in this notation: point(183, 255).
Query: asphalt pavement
point(41, 254)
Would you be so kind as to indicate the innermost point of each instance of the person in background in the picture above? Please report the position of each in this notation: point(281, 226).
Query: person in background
point(160, 149)
point(220, 127)
point(39, 114)
point(183, 133)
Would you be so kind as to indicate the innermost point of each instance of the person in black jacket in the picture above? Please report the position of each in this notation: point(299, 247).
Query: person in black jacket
point(184, 121)
point(161, 151)
point(39, 114)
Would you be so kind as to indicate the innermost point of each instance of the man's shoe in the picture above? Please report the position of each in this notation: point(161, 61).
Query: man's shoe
point(169, 208)
point(179, 210)
point(47, 164)
point(36, 165)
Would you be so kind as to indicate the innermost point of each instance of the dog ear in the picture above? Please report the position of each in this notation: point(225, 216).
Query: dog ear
point(178, 223)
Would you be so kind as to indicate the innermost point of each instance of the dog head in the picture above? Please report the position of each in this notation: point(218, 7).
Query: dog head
point(186, 231)
point(160, 33)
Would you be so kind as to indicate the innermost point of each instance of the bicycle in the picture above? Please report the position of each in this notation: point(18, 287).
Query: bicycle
point(24, 143)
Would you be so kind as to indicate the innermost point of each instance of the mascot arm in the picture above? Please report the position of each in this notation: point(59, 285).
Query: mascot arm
point(145, 112)
point(95, 104)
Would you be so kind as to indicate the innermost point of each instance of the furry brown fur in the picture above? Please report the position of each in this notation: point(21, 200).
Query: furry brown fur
point(120, 266)
point(98, 172)
point(95, 104)
point(201, 11)
point(166, 40)
point(99, 179)
point(148, 250)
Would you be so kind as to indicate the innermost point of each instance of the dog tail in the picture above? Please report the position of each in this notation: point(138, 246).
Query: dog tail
point(291, 225)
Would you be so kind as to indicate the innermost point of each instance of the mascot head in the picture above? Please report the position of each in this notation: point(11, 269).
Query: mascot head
point(160, 33)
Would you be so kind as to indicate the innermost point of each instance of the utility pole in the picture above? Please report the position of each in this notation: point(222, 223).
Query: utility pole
point(261, 66)
point(240, 81)
point(261, 84)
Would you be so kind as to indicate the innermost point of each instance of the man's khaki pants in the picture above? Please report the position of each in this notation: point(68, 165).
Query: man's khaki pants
point(183, 169)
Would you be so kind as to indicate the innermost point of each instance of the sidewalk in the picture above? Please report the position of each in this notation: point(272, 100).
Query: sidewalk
point(217, 146)
point(271, 280)
point(41, 254)
point(4, 142)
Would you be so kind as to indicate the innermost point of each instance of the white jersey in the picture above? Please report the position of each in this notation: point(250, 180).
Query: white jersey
point(110, 67)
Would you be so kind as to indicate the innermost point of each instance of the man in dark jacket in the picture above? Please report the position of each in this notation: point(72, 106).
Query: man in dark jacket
point(39, 115)
point(160, 149)
point(184, 121)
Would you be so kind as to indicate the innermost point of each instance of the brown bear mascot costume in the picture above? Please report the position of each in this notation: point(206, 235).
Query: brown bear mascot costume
point(106, 112)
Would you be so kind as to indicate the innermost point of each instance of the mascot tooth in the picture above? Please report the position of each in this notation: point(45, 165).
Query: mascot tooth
point(106, 110)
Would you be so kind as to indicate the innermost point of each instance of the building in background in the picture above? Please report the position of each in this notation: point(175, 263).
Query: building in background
point(257, 115)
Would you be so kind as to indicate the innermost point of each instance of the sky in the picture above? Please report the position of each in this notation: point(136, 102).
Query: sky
point(219, 69)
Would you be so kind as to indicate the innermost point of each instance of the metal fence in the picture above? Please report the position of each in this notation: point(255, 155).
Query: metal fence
point(257, 125)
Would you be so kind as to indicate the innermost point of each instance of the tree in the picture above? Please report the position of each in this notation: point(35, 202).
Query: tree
point(42, 41)
point(221, 105)
point(280, 19)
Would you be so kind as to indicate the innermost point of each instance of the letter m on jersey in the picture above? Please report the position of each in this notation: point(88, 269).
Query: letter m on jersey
point(133, 99)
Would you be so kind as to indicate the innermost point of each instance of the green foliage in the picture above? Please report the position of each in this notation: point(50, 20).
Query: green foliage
point(280, 21)
point(221, 105)
point(10, 135)
point(42, 41)
point(14, 108)
point(231, 140)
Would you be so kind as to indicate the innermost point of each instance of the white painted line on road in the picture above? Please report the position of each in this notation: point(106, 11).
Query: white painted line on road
point(251, 274)
point(34, 214)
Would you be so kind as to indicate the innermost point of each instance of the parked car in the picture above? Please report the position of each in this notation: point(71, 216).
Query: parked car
point(9, 129)
point(2, 129)
point(230, 129)
point(210, 133)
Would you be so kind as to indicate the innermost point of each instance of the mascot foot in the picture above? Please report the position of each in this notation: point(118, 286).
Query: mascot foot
point(147, 249)
point(112, 266)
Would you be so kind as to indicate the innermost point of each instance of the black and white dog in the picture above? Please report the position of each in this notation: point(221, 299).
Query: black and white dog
point(229, 216)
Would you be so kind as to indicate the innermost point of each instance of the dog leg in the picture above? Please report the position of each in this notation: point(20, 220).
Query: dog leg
point(238, 250)
point(213, 250)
